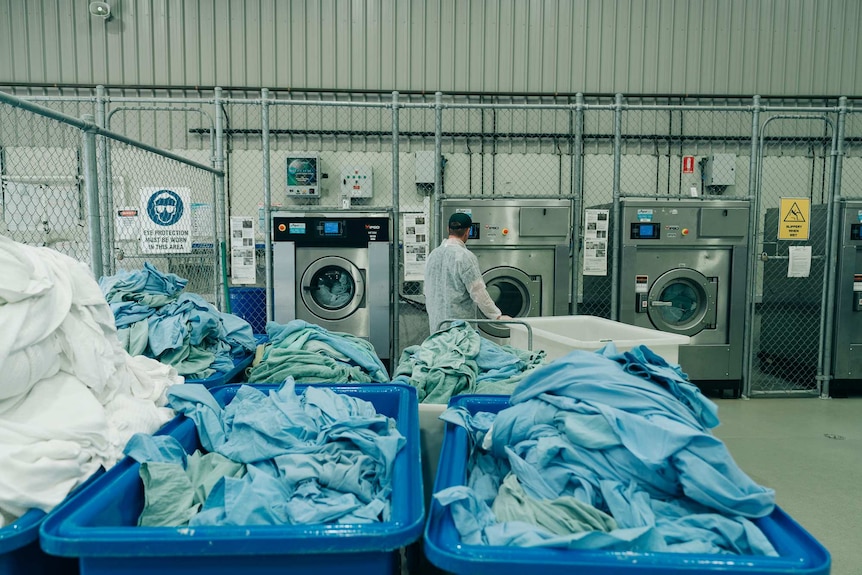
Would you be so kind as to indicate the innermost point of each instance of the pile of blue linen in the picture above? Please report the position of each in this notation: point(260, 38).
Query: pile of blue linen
point(458, 360)
point(607, 451)
point(155, 318)
point(270, 459)
point(311, 354)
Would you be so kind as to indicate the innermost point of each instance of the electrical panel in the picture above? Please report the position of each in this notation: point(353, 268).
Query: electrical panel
point(356, 182)
point(425, 167)
point(720, 170)
point(303, 174)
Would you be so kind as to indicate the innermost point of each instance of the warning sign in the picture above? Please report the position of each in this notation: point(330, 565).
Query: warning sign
point(794, 219)
point(166, 221)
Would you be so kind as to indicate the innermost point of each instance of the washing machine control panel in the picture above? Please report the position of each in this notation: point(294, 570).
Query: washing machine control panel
point(343, 232)
point(645, 231)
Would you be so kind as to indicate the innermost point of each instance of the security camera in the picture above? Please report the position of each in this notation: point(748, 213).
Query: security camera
point(100, 9)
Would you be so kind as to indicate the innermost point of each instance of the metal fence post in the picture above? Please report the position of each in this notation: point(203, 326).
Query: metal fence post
point(753, 215)
point(267, 201)
point(438, 173)
point(221, 296)
point(824, 371)
point(107, 198)
point(615, 262)
point(577, 178)
point(91, 184)
point(396, 230)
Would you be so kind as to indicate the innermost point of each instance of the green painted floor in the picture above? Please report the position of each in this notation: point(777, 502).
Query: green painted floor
point(810, 451)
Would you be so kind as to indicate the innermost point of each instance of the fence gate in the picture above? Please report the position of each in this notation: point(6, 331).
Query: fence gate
point(794, 192)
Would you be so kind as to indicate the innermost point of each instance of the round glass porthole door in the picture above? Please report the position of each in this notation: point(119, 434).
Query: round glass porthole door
point(510, 288)
point(332, 288)
point(682, 301)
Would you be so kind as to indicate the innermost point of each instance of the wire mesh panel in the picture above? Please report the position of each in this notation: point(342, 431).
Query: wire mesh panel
point(595, 274)
point(417, 170)
point(157, 217)
point(329, 141)
point(851, 175)
point(244, 204)
point(44, 202)
point(795, 178)
point(505, 152)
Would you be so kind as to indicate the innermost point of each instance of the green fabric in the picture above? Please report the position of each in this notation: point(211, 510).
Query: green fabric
point(562, 516)
point(532, 359)
point(444, 365)
point(190, 361)
point(173, 495)
point(134, 338)
point(151, 299)
point(305, 367)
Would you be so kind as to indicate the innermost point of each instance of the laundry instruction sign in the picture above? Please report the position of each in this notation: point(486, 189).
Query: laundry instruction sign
point(794, 219)
point(166, 220)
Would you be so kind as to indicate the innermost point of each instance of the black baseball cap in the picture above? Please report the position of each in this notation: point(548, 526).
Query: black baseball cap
point(460, 221)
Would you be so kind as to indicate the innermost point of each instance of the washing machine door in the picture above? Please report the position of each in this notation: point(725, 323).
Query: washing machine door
point(515, 293)
point(332, 288)
point(683, 301)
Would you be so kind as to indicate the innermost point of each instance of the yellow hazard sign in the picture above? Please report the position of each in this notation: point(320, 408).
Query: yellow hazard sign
point(794, 219)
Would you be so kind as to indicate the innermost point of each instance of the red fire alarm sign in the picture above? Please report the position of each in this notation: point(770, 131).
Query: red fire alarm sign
point(688, 164)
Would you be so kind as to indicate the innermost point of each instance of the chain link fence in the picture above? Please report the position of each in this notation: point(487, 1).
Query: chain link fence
point(594, 274)
point(794, 193)
point(103, 198)
point(44, 202)
point(447, 148)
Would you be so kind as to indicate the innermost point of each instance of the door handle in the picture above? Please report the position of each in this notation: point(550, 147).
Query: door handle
point(660, 303)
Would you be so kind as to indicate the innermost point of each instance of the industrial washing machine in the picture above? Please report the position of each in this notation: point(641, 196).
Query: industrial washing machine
point(333, 270)
point(847, 343)
point(523, 252)
point(683, 270)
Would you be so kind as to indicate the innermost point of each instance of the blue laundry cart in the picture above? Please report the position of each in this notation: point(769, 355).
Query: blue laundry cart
point(799, 553)
point(101, 529)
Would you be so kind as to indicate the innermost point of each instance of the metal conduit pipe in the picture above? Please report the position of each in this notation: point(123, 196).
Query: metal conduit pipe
point(837, 167)
point(396, 232)
point(615, 263)
point(267, 204)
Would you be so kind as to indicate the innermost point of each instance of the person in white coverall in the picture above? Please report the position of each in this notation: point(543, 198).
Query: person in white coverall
point(453, 281)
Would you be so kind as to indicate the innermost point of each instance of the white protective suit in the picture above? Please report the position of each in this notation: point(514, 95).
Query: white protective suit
point(454, 285)
point(70, 395)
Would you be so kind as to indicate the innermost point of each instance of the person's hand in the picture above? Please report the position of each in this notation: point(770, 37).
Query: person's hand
point(504, 316)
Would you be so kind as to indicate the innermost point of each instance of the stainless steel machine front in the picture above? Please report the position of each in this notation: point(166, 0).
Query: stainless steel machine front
point(523, 252)
point(333, 270)
point(683, 270)
point(847, 344)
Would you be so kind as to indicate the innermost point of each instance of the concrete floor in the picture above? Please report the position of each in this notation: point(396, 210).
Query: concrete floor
point(810, 451)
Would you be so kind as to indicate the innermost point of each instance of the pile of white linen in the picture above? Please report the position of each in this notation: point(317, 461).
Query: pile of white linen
point(70, 395)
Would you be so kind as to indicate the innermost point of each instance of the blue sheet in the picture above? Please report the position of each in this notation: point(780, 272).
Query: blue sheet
point(325, 456)
point(627, 434)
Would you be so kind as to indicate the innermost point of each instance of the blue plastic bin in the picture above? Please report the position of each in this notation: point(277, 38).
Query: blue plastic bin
point(799, 552)
point(100, 527)
point(249, 303)
point(20, 552)
point(239, 364)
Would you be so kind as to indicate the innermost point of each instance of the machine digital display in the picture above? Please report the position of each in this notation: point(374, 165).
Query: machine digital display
point(331, 228)
point(474, 231)
point(645, 231)
point(856, 231)
point(296, 227)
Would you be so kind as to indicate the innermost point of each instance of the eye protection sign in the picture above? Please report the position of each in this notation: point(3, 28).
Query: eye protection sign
point(166, 222)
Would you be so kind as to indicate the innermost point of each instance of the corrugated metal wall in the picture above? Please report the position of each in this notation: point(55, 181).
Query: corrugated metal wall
point(769, 47)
